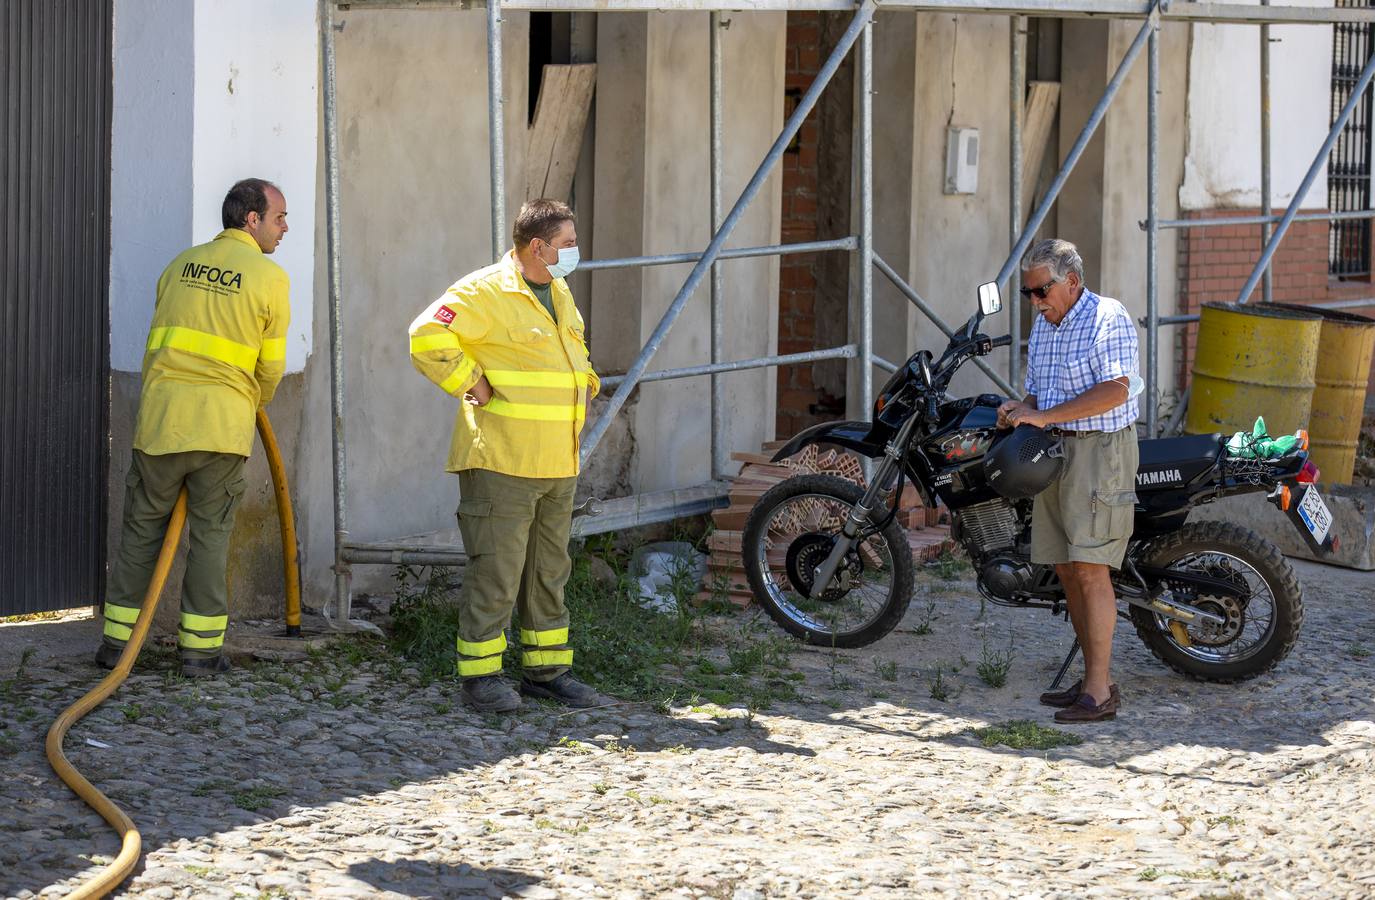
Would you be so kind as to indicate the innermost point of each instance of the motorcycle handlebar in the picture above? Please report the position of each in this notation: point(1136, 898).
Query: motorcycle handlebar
point(1004, 341)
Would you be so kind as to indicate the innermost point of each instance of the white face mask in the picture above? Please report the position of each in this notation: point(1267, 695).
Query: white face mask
point(568, 261)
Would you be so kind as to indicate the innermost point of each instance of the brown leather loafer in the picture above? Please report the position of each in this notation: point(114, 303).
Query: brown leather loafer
point(1085, 710)
point(1068, 696)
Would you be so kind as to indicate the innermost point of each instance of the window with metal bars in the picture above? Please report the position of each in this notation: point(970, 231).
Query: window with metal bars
point(1348, 168)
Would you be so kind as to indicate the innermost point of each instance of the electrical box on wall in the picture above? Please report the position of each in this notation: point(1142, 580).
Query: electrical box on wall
point(961, 160)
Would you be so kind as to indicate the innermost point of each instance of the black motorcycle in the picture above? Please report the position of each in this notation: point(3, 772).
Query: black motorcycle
point(829, 562)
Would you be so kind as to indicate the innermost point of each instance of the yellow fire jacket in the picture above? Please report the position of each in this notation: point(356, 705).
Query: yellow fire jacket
point(489, 323)
point(217, 348)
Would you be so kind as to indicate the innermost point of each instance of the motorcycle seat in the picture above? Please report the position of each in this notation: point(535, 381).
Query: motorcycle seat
point(1174, 462)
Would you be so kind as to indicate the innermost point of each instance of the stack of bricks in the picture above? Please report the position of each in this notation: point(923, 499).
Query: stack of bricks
point(927, 534)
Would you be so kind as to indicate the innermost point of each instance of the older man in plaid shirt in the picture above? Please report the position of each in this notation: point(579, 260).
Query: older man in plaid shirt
point(1080, 362)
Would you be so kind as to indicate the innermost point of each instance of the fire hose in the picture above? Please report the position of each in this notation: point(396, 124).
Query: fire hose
point(107, 879)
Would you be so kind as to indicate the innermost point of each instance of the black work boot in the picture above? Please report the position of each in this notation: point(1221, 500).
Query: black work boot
point(564, 689)
point(490, 693)
point(204, 666)
point(107, 657)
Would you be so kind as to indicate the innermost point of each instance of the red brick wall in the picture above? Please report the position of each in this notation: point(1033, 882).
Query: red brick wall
point(1214, 264)
point(800, 402)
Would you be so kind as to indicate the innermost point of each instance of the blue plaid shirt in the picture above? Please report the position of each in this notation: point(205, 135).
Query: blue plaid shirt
point(1094, 342)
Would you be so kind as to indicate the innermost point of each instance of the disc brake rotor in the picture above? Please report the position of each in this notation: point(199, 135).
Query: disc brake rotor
point(805, 554)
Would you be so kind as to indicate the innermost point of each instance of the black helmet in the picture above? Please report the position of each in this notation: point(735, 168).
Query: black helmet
point(1024, 462)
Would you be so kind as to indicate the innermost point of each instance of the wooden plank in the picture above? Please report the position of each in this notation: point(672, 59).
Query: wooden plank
point(555, 138)
point(1043, 99)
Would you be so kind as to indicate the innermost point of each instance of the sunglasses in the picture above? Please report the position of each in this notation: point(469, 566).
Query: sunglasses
point(1039, 291)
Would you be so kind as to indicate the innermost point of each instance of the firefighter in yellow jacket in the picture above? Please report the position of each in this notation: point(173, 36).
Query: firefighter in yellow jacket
point(216, 352)
point(508, 342)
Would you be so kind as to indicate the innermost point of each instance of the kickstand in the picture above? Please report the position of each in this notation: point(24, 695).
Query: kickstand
point(1060, 676)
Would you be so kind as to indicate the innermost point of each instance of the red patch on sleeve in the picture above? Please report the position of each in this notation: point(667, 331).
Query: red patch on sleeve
point(444, 314)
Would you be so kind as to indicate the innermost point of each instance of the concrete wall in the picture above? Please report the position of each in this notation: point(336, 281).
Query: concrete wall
point(414, 203)
point(1223, 164)
point(1105, 200)
point(653, 179)
point(956, 241)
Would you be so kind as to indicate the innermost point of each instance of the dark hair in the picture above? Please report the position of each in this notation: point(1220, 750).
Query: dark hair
point(540, 219)
point(249, 195)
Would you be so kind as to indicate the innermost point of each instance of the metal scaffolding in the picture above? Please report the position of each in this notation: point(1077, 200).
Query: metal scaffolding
point(661, 506)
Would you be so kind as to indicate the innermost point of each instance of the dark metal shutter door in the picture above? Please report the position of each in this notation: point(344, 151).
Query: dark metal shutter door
point(55, 84)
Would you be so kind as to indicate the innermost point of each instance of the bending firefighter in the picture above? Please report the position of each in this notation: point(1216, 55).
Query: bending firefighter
point(508, 342)
point(216, 352)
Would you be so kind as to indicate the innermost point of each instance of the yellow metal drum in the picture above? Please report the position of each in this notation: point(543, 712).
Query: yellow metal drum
point(1253, 361)
point(1345, 346)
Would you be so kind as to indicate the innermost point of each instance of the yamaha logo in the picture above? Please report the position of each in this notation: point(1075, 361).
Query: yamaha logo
point(1163, 476)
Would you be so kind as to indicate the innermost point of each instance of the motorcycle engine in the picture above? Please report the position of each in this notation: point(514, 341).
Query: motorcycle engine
point(1004, 576)
point(989, 532)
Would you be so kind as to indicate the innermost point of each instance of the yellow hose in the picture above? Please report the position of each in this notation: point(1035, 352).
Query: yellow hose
point(287, 522)
point(104, 882)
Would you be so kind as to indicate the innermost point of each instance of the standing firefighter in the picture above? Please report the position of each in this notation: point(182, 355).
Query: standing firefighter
point(508, 341)
point(216, 351)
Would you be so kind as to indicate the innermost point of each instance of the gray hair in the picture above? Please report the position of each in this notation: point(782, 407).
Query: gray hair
point(1060, 257)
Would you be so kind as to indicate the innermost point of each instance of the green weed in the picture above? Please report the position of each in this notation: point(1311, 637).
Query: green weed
point(939, 689)
point(994, 664)
point(949, 567)
point(1023, 734)
point(256, 798)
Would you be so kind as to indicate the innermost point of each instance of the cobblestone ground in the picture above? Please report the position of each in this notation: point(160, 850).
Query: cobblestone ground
point(332, 779)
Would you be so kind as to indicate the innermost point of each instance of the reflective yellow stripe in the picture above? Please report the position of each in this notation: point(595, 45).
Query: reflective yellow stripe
point(441, 340)
point(532, 411)
point(502, 378)
point(487, 666)
point(458, 378)
point(538, 658)
point(117, 631)
point(274, 349)
point(204, 344)
point(551, 638)
point(482, 648)
point(193, 622)
point(126, 614)
point(196, 642)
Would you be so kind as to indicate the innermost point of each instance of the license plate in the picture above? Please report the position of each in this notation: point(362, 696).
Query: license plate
point(1315, 514)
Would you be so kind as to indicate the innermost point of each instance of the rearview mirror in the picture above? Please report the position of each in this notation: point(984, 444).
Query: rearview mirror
point(990, 301)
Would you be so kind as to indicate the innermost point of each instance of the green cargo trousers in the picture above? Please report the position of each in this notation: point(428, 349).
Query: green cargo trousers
point(214, 485)
point(515, 533)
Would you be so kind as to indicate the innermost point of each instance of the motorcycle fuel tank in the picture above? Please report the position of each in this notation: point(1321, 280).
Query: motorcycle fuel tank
point(954, 452)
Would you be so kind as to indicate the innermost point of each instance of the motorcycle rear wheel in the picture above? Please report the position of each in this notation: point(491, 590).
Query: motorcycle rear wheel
point(789, 532)
point(1260, 631)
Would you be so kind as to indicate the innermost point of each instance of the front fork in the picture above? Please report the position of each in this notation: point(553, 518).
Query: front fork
point(860, 512)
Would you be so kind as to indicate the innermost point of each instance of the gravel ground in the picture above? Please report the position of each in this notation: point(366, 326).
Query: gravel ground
point(332, 778)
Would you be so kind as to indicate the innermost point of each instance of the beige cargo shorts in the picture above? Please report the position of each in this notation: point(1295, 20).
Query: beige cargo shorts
point(1086, 514)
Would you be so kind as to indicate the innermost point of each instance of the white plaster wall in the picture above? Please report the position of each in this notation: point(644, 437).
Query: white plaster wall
point(151, 173)
point(1222, 168)
point(256, 78)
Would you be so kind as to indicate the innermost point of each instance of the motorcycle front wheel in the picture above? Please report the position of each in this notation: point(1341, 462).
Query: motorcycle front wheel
point(1261, 625)
point(791, 531)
